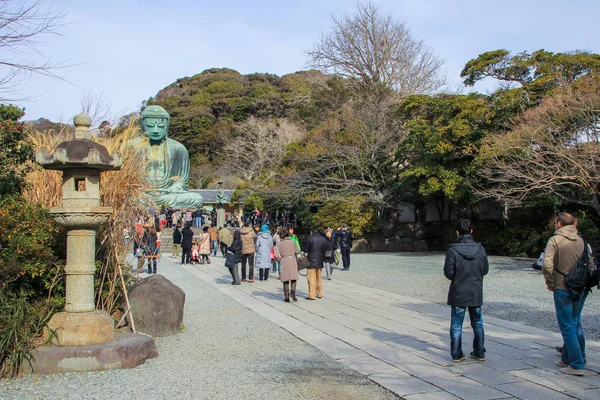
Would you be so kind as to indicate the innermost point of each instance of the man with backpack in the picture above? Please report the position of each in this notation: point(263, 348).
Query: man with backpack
point(567, 256)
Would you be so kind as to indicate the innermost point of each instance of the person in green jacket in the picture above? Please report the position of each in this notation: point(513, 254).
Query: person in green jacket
point(294, 237)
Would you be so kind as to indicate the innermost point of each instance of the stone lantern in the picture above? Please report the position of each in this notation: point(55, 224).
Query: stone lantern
point(81, 161)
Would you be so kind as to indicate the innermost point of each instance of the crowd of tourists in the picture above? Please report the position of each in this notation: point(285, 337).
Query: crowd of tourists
point(252, 249)
point(569, 267)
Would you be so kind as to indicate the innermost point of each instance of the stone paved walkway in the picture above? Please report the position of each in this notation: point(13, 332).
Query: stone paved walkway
point(402, 343)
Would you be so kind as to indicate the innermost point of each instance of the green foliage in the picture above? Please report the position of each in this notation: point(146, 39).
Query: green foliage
point(201, 106)
point(15, 152)
point(444, 136)
point(537, 73)
point(29, 240)
point(21, 324)
point(31, 279)
point(360, 217)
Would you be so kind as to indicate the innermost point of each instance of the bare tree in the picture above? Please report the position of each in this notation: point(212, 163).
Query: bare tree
point(259, 147)
point(99, 108)
point(378, 50)
point(553, 149)
point(348, 156)
point(22, 30)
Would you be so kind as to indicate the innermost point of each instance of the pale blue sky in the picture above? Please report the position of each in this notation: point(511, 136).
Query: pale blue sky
point(129, 50)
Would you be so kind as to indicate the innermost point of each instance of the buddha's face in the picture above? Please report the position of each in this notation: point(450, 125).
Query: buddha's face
point(156, 128)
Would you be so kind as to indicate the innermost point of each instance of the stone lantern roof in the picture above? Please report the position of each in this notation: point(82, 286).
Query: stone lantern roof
point(81, 152)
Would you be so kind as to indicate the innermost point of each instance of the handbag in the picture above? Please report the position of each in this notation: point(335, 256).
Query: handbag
point(302, 262)
point(328, 254)
point(230, 260)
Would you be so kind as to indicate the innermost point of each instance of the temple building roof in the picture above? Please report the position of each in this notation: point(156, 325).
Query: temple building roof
point(210, 195)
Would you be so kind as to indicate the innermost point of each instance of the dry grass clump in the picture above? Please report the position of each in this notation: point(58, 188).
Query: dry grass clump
point(123, 190)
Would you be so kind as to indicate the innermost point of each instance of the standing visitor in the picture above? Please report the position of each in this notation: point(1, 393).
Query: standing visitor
point(187, 236)
point(345, 238)
point(188, 217)
point(197, 218)
point(248, 238)
point(316, 246)
point(329, 253)
point(275, 263)
point(225, 239)
point(264, 245)
point(236, 249)
point(150, 249)
point(204, 246)
point(562, 253)
point(286, 252)
point(177, 241)
point(214, 238)
point(293, 237)
point(466, 264)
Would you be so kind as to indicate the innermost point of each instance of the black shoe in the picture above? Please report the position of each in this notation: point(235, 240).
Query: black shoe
point(154, 272)
point(287, 299)
point(308, 298)
point(293, 296)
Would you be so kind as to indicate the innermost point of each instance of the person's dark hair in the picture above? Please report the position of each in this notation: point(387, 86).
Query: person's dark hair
point(565, 218)
point(283, 233)
point(152, 231)
point(246, 224)
point(205, 229)
point(188, 225)
point(463, 226)
point(314, 229)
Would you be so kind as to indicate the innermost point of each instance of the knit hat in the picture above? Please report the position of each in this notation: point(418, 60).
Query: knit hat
point(264, 228)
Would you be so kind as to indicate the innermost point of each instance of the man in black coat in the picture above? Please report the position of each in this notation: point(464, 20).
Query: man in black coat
point(345, 244)
point(466, 264)
point(315, 248)
point(187, 236)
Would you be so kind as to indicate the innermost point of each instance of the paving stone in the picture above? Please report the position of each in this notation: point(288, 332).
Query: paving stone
point(589, 394)
point(368, 365)
point(531, 391)
point(335, 348)
point(439, 395)
point(402, 383)
point(556, 381)
point(484, 374)
point(466, 388)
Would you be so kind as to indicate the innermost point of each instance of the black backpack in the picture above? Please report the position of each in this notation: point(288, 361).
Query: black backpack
point(578, 277)
point(594, 278)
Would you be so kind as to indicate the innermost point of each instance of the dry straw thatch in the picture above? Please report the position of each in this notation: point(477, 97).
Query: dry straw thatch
point(123, 190)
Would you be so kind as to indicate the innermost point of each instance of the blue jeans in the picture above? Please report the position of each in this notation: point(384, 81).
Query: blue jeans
point(197, 221)
point(568, 314)
point(457, 318)
point(215, 247)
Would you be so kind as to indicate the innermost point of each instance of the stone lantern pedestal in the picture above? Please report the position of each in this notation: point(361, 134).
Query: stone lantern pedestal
point(81, 161)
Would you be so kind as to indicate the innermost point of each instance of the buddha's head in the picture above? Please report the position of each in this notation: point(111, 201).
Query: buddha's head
point(155, 123)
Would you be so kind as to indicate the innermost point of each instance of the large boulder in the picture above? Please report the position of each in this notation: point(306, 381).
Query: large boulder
point(394, 244)
point(377, 242)
point(421, 246)
point(361, 246)
point(157, 306)
point(388, 229)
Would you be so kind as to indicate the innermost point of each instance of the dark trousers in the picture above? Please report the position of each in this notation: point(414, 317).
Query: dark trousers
point(223, 249)
point(263, 274)
point(346, 257)
point(248, 258)
point(456, 323)
point(235, 274)
point(186, 256)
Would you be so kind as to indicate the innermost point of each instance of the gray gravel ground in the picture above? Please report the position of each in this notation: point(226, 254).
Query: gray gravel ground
point(512, 289)
point(225, 352)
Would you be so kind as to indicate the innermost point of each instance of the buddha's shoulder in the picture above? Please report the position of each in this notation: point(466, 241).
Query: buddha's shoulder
point(175, 145)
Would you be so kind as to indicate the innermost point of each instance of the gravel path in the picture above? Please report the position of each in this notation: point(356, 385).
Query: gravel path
point(225, 352)
point(512, 289)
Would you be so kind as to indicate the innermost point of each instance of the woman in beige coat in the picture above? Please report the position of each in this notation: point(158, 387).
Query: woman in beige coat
point(286, 252)
point(204, 246)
